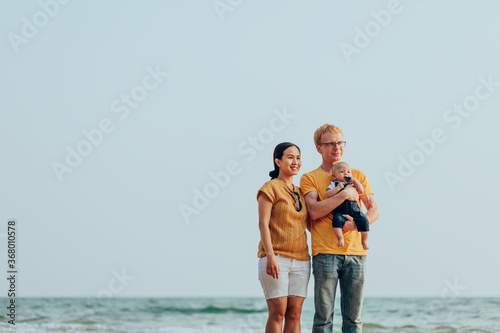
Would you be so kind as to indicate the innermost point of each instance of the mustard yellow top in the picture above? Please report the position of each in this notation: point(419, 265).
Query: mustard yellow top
point(323, 239)
point(287, 226)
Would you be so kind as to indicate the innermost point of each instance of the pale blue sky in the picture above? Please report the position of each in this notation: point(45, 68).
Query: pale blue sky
point(228, 87)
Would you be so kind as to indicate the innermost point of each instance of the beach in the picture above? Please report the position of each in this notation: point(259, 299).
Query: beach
point(221, 315)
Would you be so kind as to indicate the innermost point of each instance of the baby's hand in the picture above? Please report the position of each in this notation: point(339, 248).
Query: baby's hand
point(340, 185)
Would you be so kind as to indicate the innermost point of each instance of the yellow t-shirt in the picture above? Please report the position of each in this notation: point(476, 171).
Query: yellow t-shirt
point(322, 237)
point(286, 225)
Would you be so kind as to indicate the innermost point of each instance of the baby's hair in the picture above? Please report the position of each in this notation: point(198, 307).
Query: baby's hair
point(339, 164)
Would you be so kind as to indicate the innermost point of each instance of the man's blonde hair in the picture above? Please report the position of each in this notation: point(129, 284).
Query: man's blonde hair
point(325, 129)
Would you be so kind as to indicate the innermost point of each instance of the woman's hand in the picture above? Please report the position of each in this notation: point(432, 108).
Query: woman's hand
point(273, 268)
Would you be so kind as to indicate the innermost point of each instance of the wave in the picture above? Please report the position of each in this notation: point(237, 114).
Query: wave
point(446, 329)
point(78, 328)
point(206, 309)
point(373, 326)
point(83, 321)
point(82, 328)
point(39, 318)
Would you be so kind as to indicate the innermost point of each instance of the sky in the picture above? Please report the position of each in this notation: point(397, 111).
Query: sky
point(135, 135)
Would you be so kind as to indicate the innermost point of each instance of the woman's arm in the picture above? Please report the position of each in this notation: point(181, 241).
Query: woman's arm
point(265, 207)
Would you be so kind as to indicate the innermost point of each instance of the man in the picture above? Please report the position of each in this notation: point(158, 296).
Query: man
point(332, 264)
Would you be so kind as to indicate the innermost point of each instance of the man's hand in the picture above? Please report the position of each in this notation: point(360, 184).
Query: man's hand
point(349, 224)
point(350, 193)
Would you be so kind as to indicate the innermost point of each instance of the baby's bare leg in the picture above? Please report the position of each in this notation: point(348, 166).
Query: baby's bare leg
point(364, 239)
point(339, 235)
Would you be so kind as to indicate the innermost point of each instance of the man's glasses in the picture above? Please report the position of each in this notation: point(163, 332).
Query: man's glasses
point(332, 145)
point(298, 204)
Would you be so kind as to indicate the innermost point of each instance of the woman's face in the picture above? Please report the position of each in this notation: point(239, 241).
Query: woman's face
point(290, 162)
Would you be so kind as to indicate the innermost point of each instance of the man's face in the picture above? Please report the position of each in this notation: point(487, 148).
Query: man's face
point(331, 155)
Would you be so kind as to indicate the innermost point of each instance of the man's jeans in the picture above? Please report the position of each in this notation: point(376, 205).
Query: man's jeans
point(328, 269)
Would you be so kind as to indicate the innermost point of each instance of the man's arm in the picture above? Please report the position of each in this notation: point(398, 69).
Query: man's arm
point(371, 206)
point(371, 214)
point(318, 209)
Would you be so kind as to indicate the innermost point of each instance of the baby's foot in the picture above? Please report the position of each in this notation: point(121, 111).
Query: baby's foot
point(365, 245)
point(341, 242)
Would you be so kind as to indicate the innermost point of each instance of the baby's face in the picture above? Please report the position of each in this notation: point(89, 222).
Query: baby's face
point(341, 172)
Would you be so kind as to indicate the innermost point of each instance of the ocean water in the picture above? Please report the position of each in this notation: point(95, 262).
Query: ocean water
point(207, 315)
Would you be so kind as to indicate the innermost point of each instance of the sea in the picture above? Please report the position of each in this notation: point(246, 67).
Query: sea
point(242, 315)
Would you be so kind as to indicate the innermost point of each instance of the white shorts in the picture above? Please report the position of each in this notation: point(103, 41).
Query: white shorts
point(293, 279)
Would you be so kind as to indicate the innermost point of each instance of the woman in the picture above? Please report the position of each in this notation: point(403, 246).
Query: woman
point(284, 264)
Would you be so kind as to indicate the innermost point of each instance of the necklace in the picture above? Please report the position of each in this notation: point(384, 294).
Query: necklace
point(292, 188)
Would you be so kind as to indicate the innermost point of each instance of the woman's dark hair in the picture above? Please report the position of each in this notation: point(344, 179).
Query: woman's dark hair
point(278, 154)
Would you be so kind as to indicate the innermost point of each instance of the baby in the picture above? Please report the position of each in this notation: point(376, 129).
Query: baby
point(341, 173)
